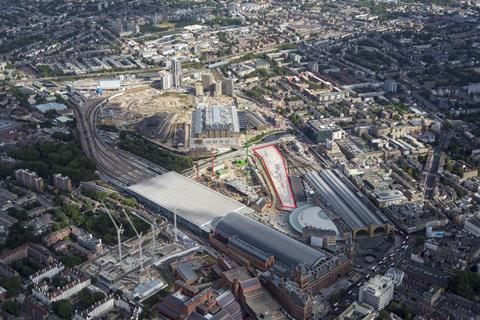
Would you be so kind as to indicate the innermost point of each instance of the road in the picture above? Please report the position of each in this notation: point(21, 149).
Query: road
point(432, 168)
point(117, 165)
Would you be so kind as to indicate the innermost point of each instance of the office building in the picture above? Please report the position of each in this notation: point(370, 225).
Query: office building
point(312, 66)
point(216, 89)
point(29, 180)
point(390, 86)
point(199, 89)
point(176, 69)
point(321, 131)
point(295, 58)
point(228, 87)
point(207, 80)
point(377, 292)
point(166, 81)
point(63, 183)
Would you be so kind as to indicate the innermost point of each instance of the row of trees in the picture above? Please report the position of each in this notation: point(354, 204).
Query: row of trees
point(148, 150)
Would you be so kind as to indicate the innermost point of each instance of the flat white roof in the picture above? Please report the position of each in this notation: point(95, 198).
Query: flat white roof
point(192, 201)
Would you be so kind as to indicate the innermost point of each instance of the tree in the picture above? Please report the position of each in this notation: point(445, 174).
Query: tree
point(52, 114)
point(449, 165)
point(19, 235)
point(70, 260)
point(420, 241)
point(20, 215)
point(131, 202)
point(13, 285)
point(410, 172)
point(87, 298)
point(466, 284)
point(383, 315)
point(336, 297)
point(73, 211)
point(63, 309)
point(150, 151)
point(96, 195)
point(11, 307)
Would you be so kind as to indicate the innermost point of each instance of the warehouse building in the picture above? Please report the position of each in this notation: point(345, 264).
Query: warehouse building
point(215, 126)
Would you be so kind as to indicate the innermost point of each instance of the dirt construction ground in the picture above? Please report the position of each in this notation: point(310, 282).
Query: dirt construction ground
point(137, 104)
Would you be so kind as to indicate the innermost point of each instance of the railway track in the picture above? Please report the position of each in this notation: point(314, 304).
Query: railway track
point(116, 164)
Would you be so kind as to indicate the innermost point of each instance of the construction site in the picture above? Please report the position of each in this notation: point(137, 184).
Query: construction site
point(153, 113)
point(134, 265)
point(165, 117)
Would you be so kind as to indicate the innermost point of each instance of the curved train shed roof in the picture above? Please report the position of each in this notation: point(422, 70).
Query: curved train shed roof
point(286, 250)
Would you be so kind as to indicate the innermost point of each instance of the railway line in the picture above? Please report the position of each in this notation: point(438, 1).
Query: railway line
point(118, 165)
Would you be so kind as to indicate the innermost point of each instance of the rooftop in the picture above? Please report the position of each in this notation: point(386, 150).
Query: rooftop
point(348, 205)
point(216, 117)
point(286, 250)
point(474, 221)
point(274, 163)
point(191, 200)
point(378, 285)
point(311, 216)
point(389, 195)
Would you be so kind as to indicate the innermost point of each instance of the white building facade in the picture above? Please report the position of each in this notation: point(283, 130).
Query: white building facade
point(377, 292)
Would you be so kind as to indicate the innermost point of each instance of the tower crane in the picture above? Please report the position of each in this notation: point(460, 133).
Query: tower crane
point(139, 235)
point(119, 233)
